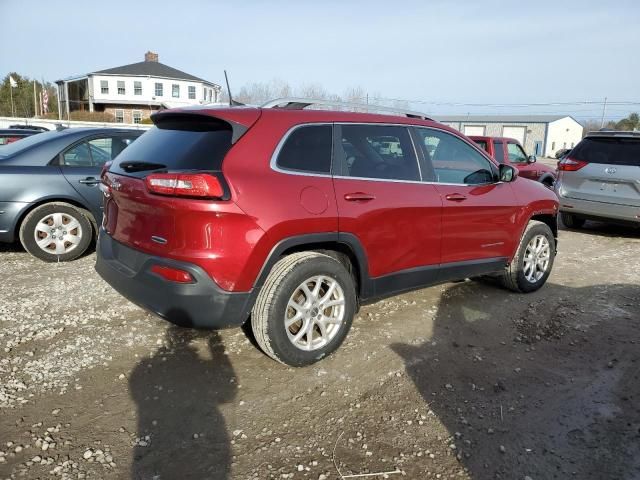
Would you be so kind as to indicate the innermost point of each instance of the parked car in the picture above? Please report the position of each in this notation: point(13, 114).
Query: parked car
point(30, 127)
point(10, 135)
point(295, 218)
point(49, 195)
point(600, 179)
point(509, 151)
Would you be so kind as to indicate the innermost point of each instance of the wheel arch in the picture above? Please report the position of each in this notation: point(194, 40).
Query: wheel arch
point(346, 248)
point(44, 201)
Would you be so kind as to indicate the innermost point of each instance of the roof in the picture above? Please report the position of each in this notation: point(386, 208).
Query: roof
point(502, 118)
point(153, 69)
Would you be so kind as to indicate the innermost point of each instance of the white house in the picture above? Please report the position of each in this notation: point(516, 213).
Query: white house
point(541, 135)
point(133, 92)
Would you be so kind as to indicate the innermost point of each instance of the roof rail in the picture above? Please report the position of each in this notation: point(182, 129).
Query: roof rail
point(294, 103)
point(603, 132)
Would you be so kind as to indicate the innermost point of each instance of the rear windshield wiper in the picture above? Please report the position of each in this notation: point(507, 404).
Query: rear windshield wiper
point(140, 166)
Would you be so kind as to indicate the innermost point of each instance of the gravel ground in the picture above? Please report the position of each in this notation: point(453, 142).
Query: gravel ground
point(461, 380)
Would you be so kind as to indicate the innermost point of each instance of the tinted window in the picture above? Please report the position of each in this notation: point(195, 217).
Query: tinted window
point(378, 151)
point(615, 151)
point(177, 143)
point(453, 160)
point(516, 154)
point(77, 156)
point(499, 151)
point(307, 149)
point(482, 144)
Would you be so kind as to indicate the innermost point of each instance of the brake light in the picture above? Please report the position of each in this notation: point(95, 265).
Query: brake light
point(201, 185)
point(570, 165)
point(172, 274)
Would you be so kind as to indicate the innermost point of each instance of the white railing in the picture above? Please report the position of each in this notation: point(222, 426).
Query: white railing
point(6, 122)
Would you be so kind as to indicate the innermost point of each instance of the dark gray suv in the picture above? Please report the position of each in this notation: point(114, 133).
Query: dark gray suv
point(49, 189)
point(600, 179)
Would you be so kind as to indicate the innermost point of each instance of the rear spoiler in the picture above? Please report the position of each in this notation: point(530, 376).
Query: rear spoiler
point(239, 119)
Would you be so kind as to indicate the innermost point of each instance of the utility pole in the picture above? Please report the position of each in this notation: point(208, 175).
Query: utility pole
point(604, 110)
point(35, 101)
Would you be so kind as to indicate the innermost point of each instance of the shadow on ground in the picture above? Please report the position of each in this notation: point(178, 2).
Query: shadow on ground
point(178, 393)
point(606, 230)
point(553, 393)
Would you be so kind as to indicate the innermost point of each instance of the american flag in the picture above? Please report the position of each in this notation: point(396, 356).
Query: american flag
point(45, 101)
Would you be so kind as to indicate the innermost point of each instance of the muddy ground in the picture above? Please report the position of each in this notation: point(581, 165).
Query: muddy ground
point(462, 380)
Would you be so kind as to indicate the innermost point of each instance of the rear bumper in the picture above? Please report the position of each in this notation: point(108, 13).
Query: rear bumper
point(587, 208)
point(202, 304)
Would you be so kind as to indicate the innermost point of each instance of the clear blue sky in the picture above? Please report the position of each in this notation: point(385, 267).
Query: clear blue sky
point(437, 51)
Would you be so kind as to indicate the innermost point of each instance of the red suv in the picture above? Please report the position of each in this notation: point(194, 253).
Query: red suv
point(509, 150)
point(294, 218)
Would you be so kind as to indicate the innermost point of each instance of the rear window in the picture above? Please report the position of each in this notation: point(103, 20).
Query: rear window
point(177, 143)
point(482, 144)
point(608, 150)
point(307, 149)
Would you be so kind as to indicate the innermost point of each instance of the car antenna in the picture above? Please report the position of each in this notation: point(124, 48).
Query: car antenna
point(232, 102)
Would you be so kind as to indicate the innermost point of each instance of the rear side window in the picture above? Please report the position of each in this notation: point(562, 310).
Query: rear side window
point(307, 149)
point(614, 151)
point(177, 143)
point(377, 151)
point(499, 151)
point(482, 144)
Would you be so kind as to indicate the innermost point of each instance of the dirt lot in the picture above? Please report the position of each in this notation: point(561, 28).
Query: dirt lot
point(462, 381)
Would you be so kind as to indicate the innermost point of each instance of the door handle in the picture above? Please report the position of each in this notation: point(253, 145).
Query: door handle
point(89, 181)
point(358, 197)
point(456, 197)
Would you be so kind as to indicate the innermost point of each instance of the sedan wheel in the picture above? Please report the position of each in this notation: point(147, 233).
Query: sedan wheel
point(56, 232)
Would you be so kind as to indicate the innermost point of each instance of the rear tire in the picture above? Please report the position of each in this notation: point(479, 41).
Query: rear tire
point(533, 262)
point(319, 292)
point(56, 232)
point(571, 221)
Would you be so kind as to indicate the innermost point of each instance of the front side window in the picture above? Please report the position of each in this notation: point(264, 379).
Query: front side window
point(377, 151)
point(158, 89)
point(137, 88)
point(453, 160)
point(119, 116)
point(175, 90)
point(516, 154)
point(121, 89)
point(104, 86)
point(307, 149)
point(192, 92)
point(499, 151)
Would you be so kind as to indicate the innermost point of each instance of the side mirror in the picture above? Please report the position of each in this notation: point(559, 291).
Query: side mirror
point(531, 159)
point(508, 173)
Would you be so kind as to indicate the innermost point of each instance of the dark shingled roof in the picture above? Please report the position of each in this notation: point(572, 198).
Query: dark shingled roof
point(154, 69)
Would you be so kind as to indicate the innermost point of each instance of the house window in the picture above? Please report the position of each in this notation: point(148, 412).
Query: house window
point(104, 86)
point(137, 116)
point(175, 90)
point(120, 87)
point(553, 145)
point(159, 90)
point(192, 93)
point(119, 116)
point(137, 88)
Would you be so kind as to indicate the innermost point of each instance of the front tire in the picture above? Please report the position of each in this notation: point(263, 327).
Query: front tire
point(532, 264)
point(304, 309)
point(56, 232)
point(571, 221)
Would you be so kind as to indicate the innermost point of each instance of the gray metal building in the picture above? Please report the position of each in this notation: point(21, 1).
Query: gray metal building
point(541, 135)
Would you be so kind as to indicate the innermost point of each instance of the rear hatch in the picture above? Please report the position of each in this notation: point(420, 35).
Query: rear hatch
point(608, 170)
point(144, 199)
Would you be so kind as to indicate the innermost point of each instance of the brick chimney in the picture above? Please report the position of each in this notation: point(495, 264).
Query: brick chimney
point(150, 57)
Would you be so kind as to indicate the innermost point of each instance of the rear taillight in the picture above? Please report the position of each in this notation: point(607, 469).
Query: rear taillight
point(570, 165)
point(201, 185)
point(172, 274)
